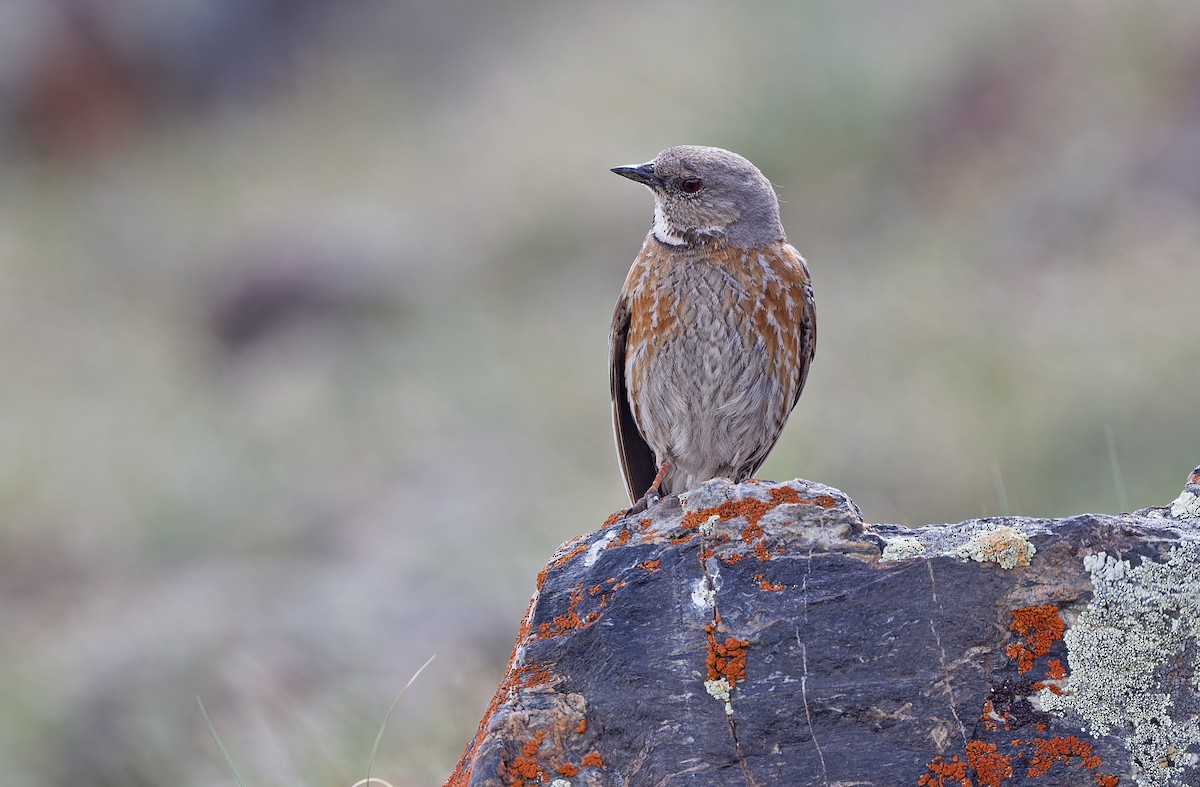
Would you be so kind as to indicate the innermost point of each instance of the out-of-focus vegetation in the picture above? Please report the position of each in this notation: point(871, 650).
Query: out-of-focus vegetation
point(304, 311)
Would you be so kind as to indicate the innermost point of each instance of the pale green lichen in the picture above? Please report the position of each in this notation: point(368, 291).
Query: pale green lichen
point(719, 690)
point(1134, 656)
point(560, 783)
point(902, 548)
point(1186, 506)
point(1106, 567)
point(1004, 545)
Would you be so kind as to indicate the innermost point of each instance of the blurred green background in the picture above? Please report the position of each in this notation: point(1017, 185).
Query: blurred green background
point(304, 312)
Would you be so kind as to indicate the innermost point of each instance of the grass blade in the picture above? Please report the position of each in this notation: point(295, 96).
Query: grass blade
point(1118, 482)
point(220, 746)
point(388, 715)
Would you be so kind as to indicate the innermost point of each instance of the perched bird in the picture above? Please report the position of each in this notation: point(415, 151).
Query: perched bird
point(715, 328)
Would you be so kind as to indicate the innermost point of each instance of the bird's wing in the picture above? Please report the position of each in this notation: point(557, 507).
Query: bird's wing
point(806, 330)
point(808, 326)
point(637, 460)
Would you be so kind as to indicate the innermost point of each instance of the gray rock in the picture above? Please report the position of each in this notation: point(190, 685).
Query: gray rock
point(762, 634)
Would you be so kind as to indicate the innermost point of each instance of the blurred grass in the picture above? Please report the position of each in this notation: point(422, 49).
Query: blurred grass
point(998, 204)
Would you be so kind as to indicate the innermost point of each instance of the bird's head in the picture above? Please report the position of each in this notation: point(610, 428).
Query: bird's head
point(703, 194)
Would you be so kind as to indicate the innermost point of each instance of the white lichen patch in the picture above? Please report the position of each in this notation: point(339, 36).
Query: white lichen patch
point(597, 548)
point(902, 548)
point(1128, 653)
point(707, 526)
point(702, 595)
point(560, 783)
point(1004, 545)
point(719, 690)
point(1186, 506)
point(1047, 700)
point(1106, 567)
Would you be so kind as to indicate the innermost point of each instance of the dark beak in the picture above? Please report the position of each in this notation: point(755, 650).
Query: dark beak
point(643, 174)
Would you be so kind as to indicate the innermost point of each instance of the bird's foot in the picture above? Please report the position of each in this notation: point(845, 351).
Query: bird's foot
point(652, 495)
point(645, 501)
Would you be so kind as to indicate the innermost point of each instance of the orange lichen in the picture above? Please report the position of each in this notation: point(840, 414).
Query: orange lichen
point(946, 773)
point(825, 501)
point(990, 766)
point(725, 660)
point(751, 508)
point(613, 518)
point(767, 584)
point(686, 537)
point(784, 494)
point(524, 766)
point(567, 769)
point(621, 539)
point(753, 536)
point(531, 747)
point(569, 556)
point(570, 620)
point(1040, 627)
point(1048, 751)
point(987, 716)
point(529, 675)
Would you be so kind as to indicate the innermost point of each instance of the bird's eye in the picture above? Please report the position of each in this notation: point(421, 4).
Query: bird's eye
point(691, 185)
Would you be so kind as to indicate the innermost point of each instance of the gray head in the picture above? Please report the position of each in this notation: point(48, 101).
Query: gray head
point(708, 193)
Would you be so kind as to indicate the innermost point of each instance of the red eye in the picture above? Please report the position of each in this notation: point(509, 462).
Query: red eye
point(691, 185)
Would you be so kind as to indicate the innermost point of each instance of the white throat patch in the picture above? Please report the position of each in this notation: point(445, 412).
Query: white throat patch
point(662, 230)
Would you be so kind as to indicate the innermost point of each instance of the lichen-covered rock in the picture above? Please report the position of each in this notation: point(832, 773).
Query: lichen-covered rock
point(762, 634)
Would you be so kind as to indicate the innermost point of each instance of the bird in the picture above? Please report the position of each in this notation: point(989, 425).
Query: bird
point(715, 328)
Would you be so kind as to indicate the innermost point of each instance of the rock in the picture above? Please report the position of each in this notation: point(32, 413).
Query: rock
point(762, 634)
